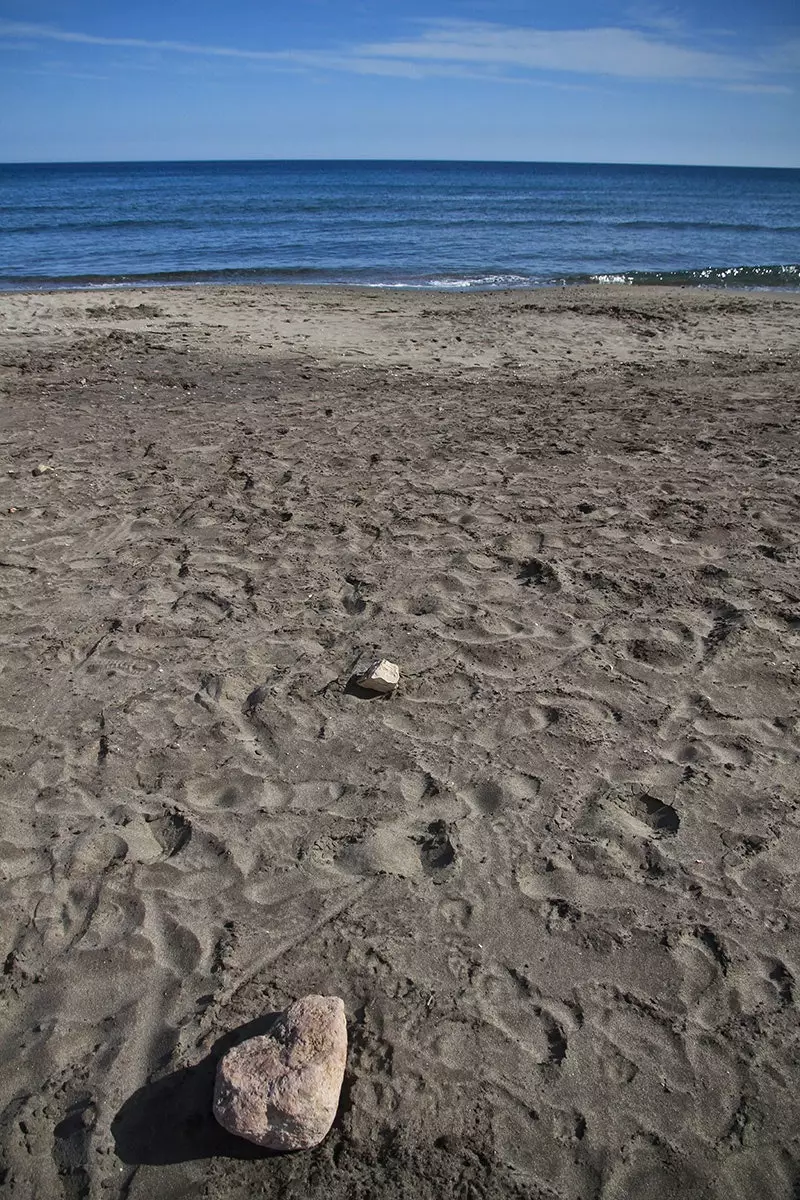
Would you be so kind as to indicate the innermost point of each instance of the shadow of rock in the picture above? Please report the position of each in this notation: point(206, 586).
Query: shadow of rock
point(354, 688)
point(171, 1120)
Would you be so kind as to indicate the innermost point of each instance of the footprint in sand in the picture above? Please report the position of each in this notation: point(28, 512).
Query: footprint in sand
point(655, 815)
point(237, 789)
point(490, 796)
point(486, 796)
point(438, 850)
point(96, 851)
point(539, 574)
point(172, 832)
point(384, 851)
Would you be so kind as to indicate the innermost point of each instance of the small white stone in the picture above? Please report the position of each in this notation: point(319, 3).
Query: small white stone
point(42, 469)
point(380, 676)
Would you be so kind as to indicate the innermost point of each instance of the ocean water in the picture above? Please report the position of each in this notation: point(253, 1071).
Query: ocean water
point(397, 224)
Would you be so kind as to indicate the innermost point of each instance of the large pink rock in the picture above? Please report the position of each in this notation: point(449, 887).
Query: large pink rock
point(282, 1090)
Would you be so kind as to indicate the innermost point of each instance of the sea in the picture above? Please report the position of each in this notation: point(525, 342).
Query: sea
point(430, 225)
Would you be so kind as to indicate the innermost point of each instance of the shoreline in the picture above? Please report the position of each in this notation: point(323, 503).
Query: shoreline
point(552, 877)
point(608, 279)
point(605, 286)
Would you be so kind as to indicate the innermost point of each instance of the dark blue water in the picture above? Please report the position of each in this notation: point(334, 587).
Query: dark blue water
point(436, 225)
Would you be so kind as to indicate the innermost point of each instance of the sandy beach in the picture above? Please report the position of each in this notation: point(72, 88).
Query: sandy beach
point(553, 877)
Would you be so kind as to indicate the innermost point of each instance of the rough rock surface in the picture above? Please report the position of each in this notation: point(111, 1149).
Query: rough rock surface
point(380, 676)
point(281, 1090)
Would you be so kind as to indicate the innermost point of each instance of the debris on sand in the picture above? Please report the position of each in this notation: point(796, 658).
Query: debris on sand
point(381, 676)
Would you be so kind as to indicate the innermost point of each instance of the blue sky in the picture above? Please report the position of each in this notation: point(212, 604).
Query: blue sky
point(707, 82)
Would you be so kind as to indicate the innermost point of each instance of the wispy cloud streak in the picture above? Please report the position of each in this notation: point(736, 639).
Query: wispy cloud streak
point(18, 29)
point(611, 51)
point(488, 51)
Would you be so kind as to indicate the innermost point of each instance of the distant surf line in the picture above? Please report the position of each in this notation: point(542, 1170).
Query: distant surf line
point(761, 277)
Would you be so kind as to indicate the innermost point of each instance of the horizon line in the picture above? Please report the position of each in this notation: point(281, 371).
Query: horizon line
point(511, 162)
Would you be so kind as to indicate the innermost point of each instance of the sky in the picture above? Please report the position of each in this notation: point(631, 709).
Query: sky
point(708, 82)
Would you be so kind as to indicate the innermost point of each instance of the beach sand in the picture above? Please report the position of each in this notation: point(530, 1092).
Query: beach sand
point(554, 877)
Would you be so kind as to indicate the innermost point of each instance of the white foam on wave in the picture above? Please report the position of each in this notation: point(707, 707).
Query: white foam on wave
point(462, 283)
point(481, 281)
point(612, 279)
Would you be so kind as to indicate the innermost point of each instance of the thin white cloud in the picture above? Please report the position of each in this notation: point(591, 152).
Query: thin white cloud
point(491, 52)
point(769, 89)
point(624, 53)
point(652, 16)
point(57, 72)
point(18, 29)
